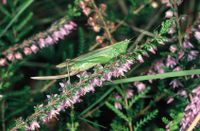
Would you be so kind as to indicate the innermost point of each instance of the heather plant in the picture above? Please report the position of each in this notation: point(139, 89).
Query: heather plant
point(99, 65)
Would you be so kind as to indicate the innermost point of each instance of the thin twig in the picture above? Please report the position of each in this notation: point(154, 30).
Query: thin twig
point(177, 22)
point(150, 24)
point(3, 115)
point(141, 7)
point(149, 106)
point(104, 23)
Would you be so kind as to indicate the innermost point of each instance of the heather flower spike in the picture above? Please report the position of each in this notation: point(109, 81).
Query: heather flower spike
point(192, 109)
point(115, 69)
point(51, 36)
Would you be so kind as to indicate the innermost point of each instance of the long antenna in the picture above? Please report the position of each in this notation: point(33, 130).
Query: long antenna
point(67, 63)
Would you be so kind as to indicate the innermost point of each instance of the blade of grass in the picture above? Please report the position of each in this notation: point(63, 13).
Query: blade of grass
point(22, 9)
point(98, 100)
point(155, 76)
point(91, 122)
point(24, 22)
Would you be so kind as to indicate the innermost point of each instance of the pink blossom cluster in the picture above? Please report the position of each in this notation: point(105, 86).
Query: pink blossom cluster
point(117, 69)
point(4, 2)
point(185, 51)
point(129, 94)
point(177, 53)
point(197, 32)
point(39, 41)
point(191, 110)
point(95, 19)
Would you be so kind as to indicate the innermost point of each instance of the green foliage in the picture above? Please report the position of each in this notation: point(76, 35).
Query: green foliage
point(165, 26)
point(139, 96)
point(72, 125)
point(118, 112)
point(73, 10)
point(141, 21)
point(145, 120)
point(116, 126)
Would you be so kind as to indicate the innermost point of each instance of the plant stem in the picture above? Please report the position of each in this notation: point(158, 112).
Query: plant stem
point(194, 123)
point(130, 126)
point(177, 22)
point(104, 23)
point(3, 115)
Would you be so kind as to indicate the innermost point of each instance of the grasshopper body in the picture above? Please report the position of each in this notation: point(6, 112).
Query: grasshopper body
point(89, 60)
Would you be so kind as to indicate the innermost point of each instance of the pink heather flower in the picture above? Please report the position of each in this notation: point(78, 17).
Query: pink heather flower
point(117, 96)
point(84, 74)
point(34, 48)
point(4, 2)
point(175, 83)
point(89, 88)
point(41, 43)
point(129, 93)
point(140, 86)
point(181, 53)
point(3, 62)
point(168, 14)
point(49, 40)
point(87, 11)
point(56, 35)
point(34, 125)
point(68, 27)
point(96, 28)
point(173, 48)
point(73, 24)
point(18, 56)
point(140, 59)
point(151, 72)
point(171, 30)
point(197, 35)
point(178, 68)
point(63, 32)
point(187, 45)
point(159, 66)
point(170, 100)
point(82, 4)
point(198, 26)
point(191, 110)
point(170, 62)
point(62, 85)
point(10, 57)
point(53, 113)
point(27, 51)
point(182, 93)
point(194, 75)
point(83, 91)
point(91, 21)
point(152, 50)
point(118, 105)
point(145, 54)
point(99, 39)
point(192, 55)
point(96, 82)
point(122, 69)
point(107, 76)
point(167, 127)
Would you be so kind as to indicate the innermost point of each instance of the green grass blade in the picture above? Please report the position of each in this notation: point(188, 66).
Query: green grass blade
point(117, 112)
point(22, 9)
point(93, 123)
point(155, 76)
point(24, 22)
point(4, 11)
point(98, 101)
